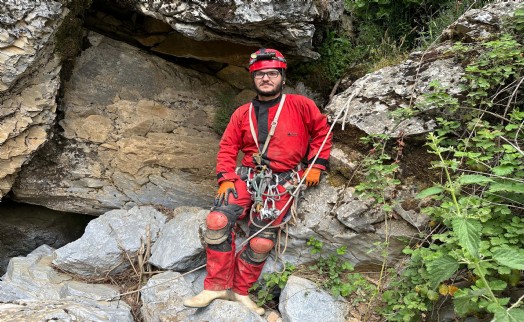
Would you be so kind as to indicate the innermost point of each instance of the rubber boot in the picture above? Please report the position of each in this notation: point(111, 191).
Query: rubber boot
point(205, 297)
point(247, 302)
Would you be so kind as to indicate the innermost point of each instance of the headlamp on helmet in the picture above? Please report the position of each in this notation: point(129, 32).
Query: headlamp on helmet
point(266, 58)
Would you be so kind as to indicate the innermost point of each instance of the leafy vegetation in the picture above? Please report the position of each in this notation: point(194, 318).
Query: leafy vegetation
point(272, 284)
point(223, 112)
point(474, 253)
point(383, 33)
point(335, 274)
point(330, 271)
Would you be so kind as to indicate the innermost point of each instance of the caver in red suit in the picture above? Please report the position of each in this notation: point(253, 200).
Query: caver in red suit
point(299, 134)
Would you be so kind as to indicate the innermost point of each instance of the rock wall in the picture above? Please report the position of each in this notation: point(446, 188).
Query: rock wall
point(29, 81)
point(284, 24)
point(136, 130)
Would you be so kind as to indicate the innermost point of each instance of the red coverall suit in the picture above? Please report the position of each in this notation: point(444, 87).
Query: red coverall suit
point(301, 129)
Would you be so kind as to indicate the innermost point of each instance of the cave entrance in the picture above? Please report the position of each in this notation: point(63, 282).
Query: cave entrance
point(25, 227)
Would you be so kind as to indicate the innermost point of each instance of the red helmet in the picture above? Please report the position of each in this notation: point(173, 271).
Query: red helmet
point(266, 58)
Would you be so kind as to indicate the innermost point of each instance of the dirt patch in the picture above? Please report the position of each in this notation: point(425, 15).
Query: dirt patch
point(415, 165)
point(411, 154)
point(350, 137)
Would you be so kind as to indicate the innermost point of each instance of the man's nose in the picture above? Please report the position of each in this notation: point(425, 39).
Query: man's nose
point(265, 75)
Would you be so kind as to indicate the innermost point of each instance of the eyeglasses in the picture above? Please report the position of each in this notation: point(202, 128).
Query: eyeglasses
point(270, 74)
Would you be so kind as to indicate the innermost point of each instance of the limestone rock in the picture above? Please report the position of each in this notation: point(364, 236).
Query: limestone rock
point(137, 131)
point(182, 231)
point(416, 219)
point(224, 311)
point(26, 31)
point(370, 100)
point(163, 295)
point(302, 300)
point(110, 241)
point(237, 77)
point(318, 218)
point(31, 310)
point(343, 161)
point(29, 81)
point(356, 213)
point(481, 24)
point(288, 24)
point(32, 290)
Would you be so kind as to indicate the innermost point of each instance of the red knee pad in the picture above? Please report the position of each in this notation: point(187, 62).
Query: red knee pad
point(216, 220)
point(261, 245)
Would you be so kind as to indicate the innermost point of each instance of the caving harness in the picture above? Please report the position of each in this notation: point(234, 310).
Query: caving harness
point(261, 182)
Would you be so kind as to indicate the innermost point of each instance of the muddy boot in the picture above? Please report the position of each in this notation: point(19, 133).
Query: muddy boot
point(205, 297)
point(247, 302)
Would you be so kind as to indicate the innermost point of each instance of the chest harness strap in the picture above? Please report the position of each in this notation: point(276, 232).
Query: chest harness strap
point(258, 156)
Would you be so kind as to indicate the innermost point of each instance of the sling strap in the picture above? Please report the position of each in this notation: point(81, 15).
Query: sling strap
point(273, 126)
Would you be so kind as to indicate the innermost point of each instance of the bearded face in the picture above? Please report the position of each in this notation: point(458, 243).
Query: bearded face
point(268, 83)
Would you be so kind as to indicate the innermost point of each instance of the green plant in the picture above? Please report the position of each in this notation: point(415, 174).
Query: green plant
point(379, 171)
point(474, 254)
point(272, 283)
point(519, 21)
point(315, 244)
point(225, 108)
point(335, 274)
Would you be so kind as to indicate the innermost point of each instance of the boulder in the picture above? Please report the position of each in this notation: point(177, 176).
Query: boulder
point(302, 300)
point(367, 104)
point(163, 296)
point(110, 242)
point(31, 310)
point(32, 290)
point(179, 246)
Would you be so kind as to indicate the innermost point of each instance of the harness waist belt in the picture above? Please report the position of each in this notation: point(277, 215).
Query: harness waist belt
point(284, 177)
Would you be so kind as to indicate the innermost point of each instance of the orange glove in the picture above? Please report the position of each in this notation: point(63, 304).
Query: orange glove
point(313, 177)
point(226, 187)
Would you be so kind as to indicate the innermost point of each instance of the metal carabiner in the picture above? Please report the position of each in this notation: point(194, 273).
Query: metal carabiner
point(269, 212)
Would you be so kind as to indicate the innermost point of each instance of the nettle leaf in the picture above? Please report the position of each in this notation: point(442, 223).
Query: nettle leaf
point(497, 285)
point(440, 269)
point(503, 170)
point(516, 314)
point(508, 187)
point(474, 179)
point(465, 300)
point(513, 315)
point(468, 234)
point(510, 257)
point(429, 192)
